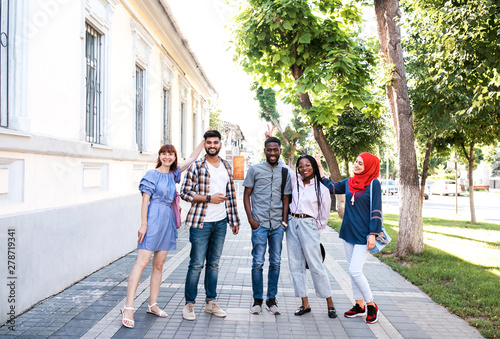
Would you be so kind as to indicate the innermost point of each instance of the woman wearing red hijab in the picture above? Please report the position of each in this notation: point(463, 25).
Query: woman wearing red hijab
point(359, 227)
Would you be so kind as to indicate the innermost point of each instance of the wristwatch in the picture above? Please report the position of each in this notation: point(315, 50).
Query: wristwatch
point(284, 224)
point(208, 198)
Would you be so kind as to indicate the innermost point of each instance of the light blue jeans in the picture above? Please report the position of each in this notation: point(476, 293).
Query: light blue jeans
point(356, 257)
point(260, 237)
point(206, 244)
point(302, 239)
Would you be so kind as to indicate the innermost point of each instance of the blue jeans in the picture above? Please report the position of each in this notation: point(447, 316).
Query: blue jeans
point(260, 237)
point(302, 240)
point(206, 243)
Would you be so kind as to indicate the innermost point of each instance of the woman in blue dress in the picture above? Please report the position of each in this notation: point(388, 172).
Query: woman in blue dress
point(359, 227)
point(158, 233)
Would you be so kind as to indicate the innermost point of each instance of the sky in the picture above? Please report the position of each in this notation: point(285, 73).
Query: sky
point(203, 23)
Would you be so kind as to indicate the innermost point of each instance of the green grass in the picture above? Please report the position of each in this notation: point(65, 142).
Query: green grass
point(394, 219)
point(471, 291)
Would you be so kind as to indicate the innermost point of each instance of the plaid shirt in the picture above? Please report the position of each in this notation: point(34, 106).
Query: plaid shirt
point(197, 181)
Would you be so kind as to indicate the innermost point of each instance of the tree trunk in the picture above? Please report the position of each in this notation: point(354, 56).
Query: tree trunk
point(333, 165)
point(277, 126)
point(425, 168)
point(319, 136)
point(291, 162)
point(470, 170)
point(410, 236)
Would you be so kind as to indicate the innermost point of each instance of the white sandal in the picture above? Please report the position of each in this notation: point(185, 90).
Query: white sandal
point(162, 313)
point(125, 319)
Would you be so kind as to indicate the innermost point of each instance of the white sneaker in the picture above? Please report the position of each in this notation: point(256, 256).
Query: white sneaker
point(272, 306)
point(256, 309)
point(212, 308)
point(273, 309)
point(188, 312)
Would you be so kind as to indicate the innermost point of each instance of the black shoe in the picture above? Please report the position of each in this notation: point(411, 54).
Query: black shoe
point(302, 310)
point(372, 316)
point(257, 302)
point(332, 313)
point(272, 306)
point(355, 311)
point(257, 306)
point(270, 302)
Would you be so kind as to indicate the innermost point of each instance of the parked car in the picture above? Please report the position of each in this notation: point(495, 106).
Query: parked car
point(444, 187)
point(427, 191)
point(389, 187)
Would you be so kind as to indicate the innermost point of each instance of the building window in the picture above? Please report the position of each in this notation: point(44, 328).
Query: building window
point(93, 110)
point(166, 116)
point(4, 63)
point(183, 129)
point(139, 108)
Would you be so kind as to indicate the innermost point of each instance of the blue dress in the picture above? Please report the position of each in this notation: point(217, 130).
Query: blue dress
point(161, 234)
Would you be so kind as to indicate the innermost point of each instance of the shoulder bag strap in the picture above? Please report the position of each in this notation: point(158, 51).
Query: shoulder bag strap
point(284, 175)
point(371, 199)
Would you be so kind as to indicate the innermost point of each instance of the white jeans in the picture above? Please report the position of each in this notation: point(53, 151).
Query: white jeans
point(302, 239)
point(356, 256)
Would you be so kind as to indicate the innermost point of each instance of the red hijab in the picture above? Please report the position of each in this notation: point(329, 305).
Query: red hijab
point(358, 182)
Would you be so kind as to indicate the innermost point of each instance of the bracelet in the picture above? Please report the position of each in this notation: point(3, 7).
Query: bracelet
point(208, 198)
point(284, 224)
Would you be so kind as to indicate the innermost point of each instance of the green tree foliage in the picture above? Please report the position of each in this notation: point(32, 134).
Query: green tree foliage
point(355, 133)
point(465, 44)
point(293, 135)
point(454, 50)
point(296, 133)
point(267, 103)
point(310, 51)
point(306, 47)
point(214, 115)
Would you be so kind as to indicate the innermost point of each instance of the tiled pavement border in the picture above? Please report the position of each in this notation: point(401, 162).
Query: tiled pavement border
point(90, 308)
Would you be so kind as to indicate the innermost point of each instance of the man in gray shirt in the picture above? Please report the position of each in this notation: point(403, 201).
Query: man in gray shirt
point(267, 214)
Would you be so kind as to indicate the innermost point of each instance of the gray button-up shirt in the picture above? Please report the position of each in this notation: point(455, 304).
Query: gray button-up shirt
point(265, 181)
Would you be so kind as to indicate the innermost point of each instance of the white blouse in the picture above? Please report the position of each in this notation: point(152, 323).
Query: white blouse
point(305, 201)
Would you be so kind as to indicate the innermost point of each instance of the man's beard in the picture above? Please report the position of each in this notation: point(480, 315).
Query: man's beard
point(217, 150)
point(272, 163)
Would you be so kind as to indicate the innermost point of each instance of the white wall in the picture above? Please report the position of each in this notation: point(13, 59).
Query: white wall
point(74, 205)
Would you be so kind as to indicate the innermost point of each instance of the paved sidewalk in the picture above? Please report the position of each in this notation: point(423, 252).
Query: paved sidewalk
point(90, 308)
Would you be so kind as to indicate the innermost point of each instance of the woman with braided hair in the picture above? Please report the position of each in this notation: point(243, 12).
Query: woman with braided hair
point(310, 209)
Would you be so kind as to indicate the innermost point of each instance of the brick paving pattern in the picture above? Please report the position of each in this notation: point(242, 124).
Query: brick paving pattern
point(90, 308)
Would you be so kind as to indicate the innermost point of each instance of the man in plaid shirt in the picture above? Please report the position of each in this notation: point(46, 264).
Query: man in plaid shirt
point(209, 187)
